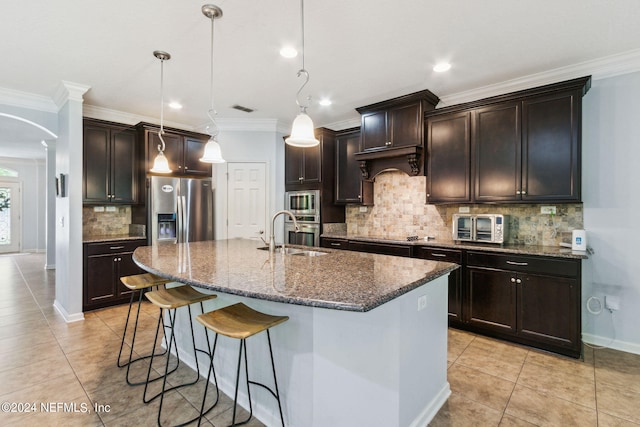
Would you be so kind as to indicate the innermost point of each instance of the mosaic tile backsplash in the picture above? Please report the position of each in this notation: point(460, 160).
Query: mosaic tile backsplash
point(106, 223)
point(399, 211)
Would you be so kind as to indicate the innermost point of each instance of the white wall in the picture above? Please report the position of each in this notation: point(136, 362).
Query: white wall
point(611, 151)
point(250, 146)
point(32, 175)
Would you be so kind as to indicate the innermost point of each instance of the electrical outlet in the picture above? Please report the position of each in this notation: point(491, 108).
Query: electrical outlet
point(111, 208)
point(464, 209)
point(548, 210)
point(611, 302)
point(98, 208)
point(363, 208)
point(422, 302)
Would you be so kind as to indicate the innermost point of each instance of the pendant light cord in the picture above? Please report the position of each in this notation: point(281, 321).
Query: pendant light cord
point(302, 71)
point(212, 112)
point(162, 146)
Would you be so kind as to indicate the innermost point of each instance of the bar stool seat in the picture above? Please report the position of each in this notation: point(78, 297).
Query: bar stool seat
point(171, 299)
point(137, 282)
point(239, 321)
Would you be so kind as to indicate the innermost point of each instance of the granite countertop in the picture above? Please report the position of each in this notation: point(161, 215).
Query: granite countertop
point(95, 238)
point(341, 280)
point(552, 251)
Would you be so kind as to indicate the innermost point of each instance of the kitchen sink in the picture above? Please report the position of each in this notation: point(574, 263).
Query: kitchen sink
point(295, 251)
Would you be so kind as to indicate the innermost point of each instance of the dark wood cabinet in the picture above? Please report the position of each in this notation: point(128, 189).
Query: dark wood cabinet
point(350, 186)
point(303, 165)
point(183, 150)
point(525, 147)
point(111, 158)
point(380, 248)
point(104, 264)
point(455, 277)
point(527, 299)
point(449, 158)
point(334, 243)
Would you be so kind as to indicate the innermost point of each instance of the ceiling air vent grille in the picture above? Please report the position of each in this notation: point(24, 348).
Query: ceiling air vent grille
point(241, 108)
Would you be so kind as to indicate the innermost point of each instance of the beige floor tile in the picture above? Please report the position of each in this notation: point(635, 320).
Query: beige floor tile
point(494, 358)
point(459, 411)
point(618, 368)
point(13, 319)
point(618, 401)
point(457, 342)
point(40, 370)
point(32, 339)
point(24, 328)
point(565, 379)
point(483, 388)
point(544, 410)
point(25, 356)
point(606, 420)
point(511, 421)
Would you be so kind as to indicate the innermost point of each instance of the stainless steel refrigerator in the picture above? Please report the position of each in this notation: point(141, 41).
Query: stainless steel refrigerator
point(181, 210)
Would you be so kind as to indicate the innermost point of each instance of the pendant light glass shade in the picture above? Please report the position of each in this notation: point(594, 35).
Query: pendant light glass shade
point(302, 133)
point(212, 152)
point(161, 164)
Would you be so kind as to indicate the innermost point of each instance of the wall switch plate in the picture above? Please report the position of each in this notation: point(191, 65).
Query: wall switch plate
point(98, 208)
point(111, 208)
point(464, 209)
point(422, 302)
point(548, 210)
point(611, 302)
point(363, 208)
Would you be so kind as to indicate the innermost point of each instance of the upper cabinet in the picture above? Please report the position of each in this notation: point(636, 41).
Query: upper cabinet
point(111, 163)
point(308, 167)
point(350, 187)
point(392, 133)
point(521, 147)
point(183, 149)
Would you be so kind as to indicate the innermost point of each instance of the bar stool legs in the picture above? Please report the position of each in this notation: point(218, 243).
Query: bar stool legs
point(240, 322)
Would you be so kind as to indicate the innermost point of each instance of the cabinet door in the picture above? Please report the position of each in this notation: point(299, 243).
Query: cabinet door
point(96, 155)
point(550, 157)
point(374, 130)
point(173, 150)
point(497, 150)
point(548, 310)
point(381, 248)
point(126, 267)
point(491, 300)
point(100, 274)
point(405, 125)
point(124, 166)
point(193, 151)
point(312, 164)
point(449, 158)
point(348, 176)
point(293, 161)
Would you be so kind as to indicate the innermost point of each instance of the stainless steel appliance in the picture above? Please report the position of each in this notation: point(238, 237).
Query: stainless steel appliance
point(180, 210)
point(487, 228)
point(305, 205)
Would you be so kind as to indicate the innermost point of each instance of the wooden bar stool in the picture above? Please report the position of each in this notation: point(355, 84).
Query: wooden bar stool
point(138, 282)
point(171, 299)
point(240, 322)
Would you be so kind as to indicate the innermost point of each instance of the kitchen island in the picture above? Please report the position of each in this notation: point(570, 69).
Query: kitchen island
point(366, 343)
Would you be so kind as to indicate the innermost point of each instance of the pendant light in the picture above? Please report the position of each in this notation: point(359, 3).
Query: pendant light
point(212, 152)
point(160, 164)
point(302, 132)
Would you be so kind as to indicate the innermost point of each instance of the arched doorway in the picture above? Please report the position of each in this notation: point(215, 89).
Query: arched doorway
point(10, 211)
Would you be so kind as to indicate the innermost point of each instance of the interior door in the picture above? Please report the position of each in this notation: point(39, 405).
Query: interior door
point(246, 204)
point(10, 207)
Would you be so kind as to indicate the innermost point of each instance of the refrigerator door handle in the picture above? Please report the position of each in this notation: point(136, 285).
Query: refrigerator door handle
point(180, 220)
point(185, 220)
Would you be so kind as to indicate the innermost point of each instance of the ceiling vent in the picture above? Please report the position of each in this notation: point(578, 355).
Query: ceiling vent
point(241, 108)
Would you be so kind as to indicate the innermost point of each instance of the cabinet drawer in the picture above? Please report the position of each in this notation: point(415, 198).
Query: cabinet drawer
point(334, 243)
point(437, 254)
point(380, 248)
point(113, 247)
point(525, 264)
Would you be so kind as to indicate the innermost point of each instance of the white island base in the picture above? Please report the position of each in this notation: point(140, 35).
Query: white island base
point(385, 367)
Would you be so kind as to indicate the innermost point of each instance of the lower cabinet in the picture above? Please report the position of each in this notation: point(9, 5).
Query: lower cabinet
point(104, 264)
point(329, 242)
point(527, 299)
point(380, 248)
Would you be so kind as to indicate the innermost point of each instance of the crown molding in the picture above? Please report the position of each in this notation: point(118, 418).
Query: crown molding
point(245, 125)
point(344, 124)
point(602, 68)
point(16, 98)
point(69, 91)
point(123, 117)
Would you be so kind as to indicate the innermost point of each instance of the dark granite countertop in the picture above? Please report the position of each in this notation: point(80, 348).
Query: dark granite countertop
point(341, 280)
point(109, 238)
point(552, 251)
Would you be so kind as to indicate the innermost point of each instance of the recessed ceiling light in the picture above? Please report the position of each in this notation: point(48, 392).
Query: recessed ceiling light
point(175, 105)
point(441, 67)
point(288, 52)
point(325, 101)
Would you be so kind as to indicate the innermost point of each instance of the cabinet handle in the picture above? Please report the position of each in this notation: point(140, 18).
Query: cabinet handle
point(524, 193)
point(116, 247)
point(387, 143)
point(336, 244)
point(438, 255)
point(518, 281)
point(513, 280)
point(301, 178)
point(518, 192)
point(522, 264)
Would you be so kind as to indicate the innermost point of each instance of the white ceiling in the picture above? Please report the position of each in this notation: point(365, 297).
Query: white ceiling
point(357, 51)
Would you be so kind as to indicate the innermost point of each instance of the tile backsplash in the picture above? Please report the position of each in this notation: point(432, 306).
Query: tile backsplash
point(399, 211)
point(106, 223)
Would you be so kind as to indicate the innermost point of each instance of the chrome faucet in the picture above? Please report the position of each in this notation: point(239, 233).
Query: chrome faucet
point(272, 239)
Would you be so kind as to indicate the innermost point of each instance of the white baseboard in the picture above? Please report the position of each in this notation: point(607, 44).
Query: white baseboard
point(615, 344)
point(432, 409)
point(49, 266)
point(69, 318)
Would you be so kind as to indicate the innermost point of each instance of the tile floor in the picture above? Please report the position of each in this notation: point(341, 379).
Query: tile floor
point(46, 361)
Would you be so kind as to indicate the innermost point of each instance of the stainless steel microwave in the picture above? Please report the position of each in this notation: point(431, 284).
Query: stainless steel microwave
point(304, 202)
point(487, 228)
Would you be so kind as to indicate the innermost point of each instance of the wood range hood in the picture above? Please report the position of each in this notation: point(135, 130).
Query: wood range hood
point(392, 134)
